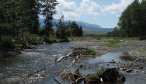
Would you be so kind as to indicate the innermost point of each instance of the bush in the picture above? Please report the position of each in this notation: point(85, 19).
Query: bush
point(142, 38)
point(31, 39)
point(7, 42)
point(47, 40)
point(64, 40)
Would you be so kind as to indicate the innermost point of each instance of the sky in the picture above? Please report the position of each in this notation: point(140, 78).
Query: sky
point(104, 13)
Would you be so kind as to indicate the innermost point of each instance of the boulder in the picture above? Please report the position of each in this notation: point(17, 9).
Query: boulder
point(112, 75)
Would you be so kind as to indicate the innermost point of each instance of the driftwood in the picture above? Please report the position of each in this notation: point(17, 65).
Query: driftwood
point(56, 60)
point(35, 72)
point(76, 58)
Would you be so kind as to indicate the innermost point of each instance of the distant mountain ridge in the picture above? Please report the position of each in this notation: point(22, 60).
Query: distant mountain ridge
point(87, 27)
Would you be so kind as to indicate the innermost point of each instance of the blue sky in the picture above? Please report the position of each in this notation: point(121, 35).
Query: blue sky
point(102, 12)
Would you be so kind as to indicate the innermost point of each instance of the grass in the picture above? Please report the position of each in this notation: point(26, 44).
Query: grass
point(112, 44)
point(91, 76)
point(98, 72)
point(86, 52)
point(93, 52)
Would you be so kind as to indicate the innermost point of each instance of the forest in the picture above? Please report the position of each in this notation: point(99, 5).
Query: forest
point(132, 22)
point(19, 23)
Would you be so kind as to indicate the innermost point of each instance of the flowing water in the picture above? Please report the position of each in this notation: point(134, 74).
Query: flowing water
point(19, 69)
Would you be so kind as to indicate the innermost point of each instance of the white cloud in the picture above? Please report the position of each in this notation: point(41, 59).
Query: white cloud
point(90, 7)
point(67, 8)
point(70, 9)
point(117, 8)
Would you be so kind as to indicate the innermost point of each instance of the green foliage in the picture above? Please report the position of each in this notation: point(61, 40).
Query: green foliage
point(48, 11)
point(73, 29)
point(7, 42)
point(91, 51)
point(31, 39)
point(132, 21)
point(91, 76)
point(61, 29)
point(53, 39)
point(47, 40)
point(19, 19)
point(100, 70)
point(113, 43)
point(115, 33)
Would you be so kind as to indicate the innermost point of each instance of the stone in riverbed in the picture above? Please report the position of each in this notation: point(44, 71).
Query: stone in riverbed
point(141, 67)
point(128, 71)
point(111, 75)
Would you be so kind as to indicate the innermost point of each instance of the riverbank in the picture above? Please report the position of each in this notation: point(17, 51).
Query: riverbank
point(134, 47)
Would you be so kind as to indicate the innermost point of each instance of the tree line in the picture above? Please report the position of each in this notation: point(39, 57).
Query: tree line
point(19, 21)
point(132, 22)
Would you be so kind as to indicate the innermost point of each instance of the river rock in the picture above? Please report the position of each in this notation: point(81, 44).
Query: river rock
point(141, 67)
point(129, 70)
point(111, 75)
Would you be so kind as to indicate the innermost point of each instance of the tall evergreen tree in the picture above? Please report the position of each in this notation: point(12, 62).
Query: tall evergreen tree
point(48, 12)
point(131, 20)
point(136, 18)
point(143, 30)
point(61, 29)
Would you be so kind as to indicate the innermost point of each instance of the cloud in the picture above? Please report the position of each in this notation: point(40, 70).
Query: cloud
point(70, 9)
point(117, 8)
point(66, 6)
point(86, 7)
point(90, 7)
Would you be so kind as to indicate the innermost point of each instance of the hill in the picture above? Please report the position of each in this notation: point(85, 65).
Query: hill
point(87, 27)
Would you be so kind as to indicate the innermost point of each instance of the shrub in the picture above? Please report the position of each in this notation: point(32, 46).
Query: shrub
point(64, 40)
point(142, 38)
point(31, 39)
point(47, 40)
point(7, 42)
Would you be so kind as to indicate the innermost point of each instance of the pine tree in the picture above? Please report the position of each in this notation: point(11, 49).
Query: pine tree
point(143, 28)
point(48, 12)
point(61, 29)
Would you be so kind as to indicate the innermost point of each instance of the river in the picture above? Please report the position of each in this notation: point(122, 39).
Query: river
point(16, 69)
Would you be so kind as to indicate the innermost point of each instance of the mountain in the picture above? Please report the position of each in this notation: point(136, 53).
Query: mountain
point(87, 27)
point(93, 28)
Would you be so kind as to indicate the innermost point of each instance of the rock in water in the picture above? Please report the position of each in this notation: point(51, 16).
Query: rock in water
point(111, 75)
point(141, 67)
point(128, 71)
